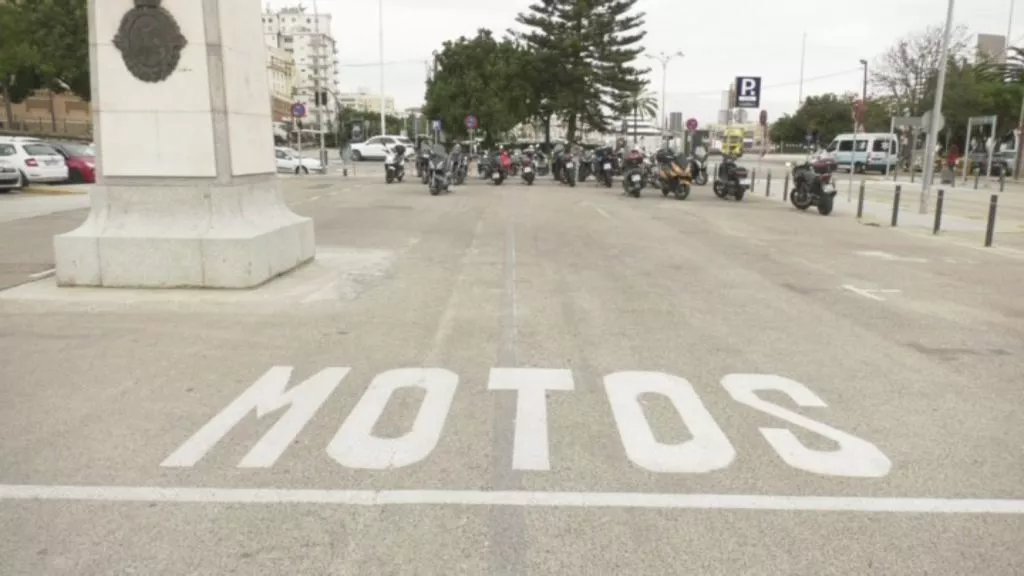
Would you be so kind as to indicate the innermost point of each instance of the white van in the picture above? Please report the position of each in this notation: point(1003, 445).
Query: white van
point(867, 151)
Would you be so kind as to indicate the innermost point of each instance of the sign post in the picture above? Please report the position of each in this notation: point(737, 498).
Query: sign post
point(299, 112)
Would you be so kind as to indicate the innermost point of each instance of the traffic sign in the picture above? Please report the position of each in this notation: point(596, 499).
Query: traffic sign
point(940, 121)
point(763, 120)
point(299, 110)
point(435, 125)
point(748, 92)
point(691, 124)
point(471, 122)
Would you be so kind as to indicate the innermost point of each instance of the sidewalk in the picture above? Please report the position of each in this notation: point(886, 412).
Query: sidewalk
point(964, 214)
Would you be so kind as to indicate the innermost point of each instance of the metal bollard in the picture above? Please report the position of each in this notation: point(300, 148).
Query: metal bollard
point(977, 177)
point(912, 172)
point(1002, 179)
point(753, 179)
point(990, 227)
point(768, 185)
point(896, 206)
point(939, 200)
point(860, 201)
point(785, 188)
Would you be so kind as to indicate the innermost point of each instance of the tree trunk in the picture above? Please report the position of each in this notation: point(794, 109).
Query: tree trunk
point(570, 129)
point(8, 108)
point(547, 130)
point(635, 110)
point(53, 112)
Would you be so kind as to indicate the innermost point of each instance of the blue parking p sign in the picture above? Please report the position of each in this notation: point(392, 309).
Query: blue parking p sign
point(435, 125)
point(748, 92)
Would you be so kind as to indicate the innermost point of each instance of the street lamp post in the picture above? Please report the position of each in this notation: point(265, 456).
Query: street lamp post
point(319, 96)
point(380, 40)
point(664, 59)
point(933, 119)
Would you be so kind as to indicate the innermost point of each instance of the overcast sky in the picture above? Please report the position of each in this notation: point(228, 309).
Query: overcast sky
point(721, 40)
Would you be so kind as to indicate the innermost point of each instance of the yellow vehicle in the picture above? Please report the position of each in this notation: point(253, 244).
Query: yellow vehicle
point(673, 176)
point(733, 142)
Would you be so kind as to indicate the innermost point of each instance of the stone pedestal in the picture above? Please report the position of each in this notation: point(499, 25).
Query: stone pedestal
point(187, 192)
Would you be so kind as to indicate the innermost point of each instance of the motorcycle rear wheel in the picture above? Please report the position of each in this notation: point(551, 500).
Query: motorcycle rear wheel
point(682, 192)
point(825, 204)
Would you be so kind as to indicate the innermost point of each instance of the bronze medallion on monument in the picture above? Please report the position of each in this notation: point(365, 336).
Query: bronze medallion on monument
point(150, 41)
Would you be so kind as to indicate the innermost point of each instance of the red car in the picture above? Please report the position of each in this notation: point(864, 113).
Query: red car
point(81, 161)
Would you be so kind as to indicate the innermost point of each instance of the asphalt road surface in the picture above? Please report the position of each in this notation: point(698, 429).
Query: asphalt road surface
point(525, 380)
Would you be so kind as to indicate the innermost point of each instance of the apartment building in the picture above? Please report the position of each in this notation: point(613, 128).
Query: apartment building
point(308, 40)
point(366, 101)
point(281, 78)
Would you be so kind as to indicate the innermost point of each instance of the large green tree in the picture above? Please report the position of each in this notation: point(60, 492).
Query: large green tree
point(44, 45)
point(483, 77)
point(829, 115)
point(591, 47)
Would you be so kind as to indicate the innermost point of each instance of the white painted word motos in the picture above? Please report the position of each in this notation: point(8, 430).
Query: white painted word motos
point(355, 445)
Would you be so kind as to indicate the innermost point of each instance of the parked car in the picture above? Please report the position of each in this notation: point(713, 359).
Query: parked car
point(36, 161)
point(376, 148)
point(9, 176)
point(291, 162)
point(81, 161)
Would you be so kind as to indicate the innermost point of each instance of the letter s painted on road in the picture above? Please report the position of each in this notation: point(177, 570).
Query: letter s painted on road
point(855, 458)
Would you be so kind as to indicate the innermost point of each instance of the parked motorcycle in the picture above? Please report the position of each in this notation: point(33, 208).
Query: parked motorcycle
point(569, 166)
point(529, 170)
point(813, 186)
point(423, 165)
point(634, 174)
point(460, 168)
point(605, 166)
point(731, 180)
point(698, 166)
point(394, 164)
point(438, 172)
point(673, 178)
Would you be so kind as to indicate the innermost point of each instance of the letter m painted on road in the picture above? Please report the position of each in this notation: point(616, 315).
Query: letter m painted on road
point(267, 395)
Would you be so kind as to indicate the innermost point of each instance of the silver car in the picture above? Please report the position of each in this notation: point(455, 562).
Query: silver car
point(9, 176)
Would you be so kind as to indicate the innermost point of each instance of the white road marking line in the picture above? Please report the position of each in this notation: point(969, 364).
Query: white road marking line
point(602, 212)
point(891, 257)
point(863, 292)
point(520, 498)
point(43, 274)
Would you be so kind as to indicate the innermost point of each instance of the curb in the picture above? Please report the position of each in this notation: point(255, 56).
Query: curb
point(51, 191)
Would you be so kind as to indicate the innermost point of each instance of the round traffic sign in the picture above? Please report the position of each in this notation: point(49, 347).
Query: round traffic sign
point(691, 124)
point(471, 122)
point(299, 110)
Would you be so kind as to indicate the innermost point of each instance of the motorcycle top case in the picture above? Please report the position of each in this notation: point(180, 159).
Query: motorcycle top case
point(740, 172)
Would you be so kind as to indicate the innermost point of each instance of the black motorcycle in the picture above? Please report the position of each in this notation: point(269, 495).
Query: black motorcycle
point(438, 173)
point(732, 180)
point(460, 168)
point(699, 170)
point(813, 186)
point(606, 164)
point(394, 165)
point(529, 169)
point(569, 167)
point(423, 166)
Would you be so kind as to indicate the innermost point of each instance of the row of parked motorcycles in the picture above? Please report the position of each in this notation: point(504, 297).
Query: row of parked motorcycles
point(435, 167)
point(672, 173)
point(669, 172)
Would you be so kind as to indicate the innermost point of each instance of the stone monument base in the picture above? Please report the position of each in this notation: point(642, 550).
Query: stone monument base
point(187, 235)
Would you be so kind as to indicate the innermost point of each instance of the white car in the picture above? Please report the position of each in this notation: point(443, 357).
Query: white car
point(291, 162)
point(377, 148)
point(35, 162)
point(10, 178)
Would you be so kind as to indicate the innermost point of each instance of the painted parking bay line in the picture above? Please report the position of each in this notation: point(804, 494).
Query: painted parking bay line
point(535, 499)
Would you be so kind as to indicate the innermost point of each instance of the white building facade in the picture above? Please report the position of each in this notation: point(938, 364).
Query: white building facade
point(307, 38)
point(366, 101)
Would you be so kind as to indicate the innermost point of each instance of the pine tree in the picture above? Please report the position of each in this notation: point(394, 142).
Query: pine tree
point(595, 44)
